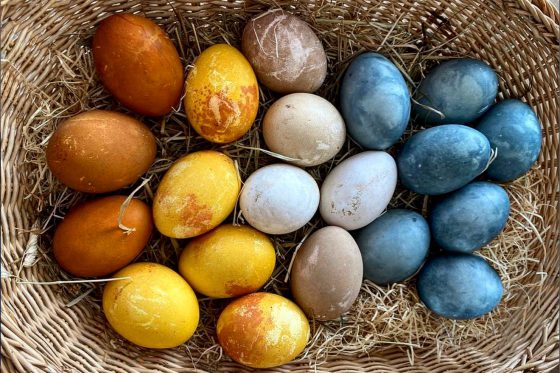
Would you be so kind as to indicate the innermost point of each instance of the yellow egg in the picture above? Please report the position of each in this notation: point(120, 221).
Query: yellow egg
point(262, 330)
point(154, 308)
point(228, 262)
point(196, 194)
point(222, 94)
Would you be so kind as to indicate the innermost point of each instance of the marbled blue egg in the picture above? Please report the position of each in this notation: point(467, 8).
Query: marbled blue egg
point(512, 127)
point(375, 101)
point(442, 159)
point(470, 217)
point(459, 286)
point(460, 90)
point(394, 246)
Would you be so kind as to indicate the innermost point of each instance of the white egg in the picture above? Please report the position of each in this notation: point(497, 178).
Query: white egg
point(279, 198)
point(358, 190)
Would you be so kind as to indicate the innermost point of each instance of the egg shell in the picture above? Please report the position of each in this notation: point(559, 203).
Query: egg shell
point(375, 101)
point(196, 194)
point(442, 159)
point(470, 217)
point(100, 151)
point(461, 90)
point(138, 64)
point(285, 52)
point(394, 246)
point(89, 242)
point(154, 307)
point(279, 198)
point(459, 286)
point(357, 191)
point(305, 127)
point(222, 94)
point(327, 272)
point(228, 261)
point(262, 330)
point(514, 130)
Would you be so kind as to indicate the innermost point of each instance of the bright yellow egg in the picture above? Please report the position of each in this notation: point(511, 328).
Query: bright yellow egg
point(222, 94)
point(196, 194)
point(228, 261)
point(154, 308)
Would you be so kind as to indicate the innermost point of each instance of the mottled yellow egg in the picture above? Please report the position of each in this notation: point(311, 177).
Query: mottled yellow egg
point(228, 261)
point(222, 94)
point(154, 307)
point(196, 194)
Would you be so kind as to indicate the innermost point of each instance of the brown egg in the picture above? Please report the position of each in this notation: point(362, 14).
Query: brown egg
point(100, 151)
point(138, 64)
point(89, 242)
point(285, 53)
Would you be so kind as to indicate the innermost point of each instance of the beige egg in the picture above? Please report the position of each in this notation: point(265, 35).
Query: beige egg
point(305, 127)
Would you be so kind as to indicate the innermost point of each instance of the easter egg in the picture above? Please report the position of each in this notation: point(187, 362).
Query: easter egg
point(375, 101)
point(304, 127)
point(262, 330)
point(222, 94)
point(138, 64)
point(100, 151)
point(279, 198)
point(196, 194)
point(285, 52)
point(228, 261)
point(327, 273)
point(514, 130)
point(357, 191)
point(151, 306)
point(459, 286)
point(394, 246)
point(442, 159)
point(455, 92)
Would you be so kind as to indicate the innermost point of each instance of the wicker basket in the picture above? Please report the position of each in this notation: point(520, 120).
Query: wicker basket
point(40, 334)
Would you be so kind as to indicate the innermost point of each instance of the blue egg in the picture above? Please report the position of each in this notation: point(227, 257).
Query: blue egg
point(375, 101)
point(459, 286)
point(470, 217)
point(514, 130)
point(442, 159)
point(393, 246)
point(460, 90)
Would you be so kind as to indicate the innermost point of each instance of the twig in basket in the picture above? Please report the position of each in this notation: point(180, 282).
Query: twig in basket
point(124, 206)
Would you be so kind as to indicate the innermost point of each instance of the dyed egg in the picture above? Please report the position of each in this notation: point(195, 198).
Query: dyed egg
point(327, 273)
point(305, 127)
point(375, 101)
point(456, 92)
point(459, 286)
point(262, 330)
point(442, 159)
point(357, 191)
point(152, 306)
point(514, 130)
point(138, 64)
point(222, 94)
point(394, 246)
point(285, 52)
point(196, 194)
point(228, 262)
point(100, 151)
point(470, 217)
point(89, 242)
point(279, 199)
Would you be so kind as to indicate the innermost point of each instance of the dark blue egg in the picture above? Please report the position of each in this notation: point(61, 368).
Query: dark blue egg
point(512, 127)
point(375, 101)
point(442, 159)
point(470, 217)
point(394, 246)
point(459, 90)
point(459, 286)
